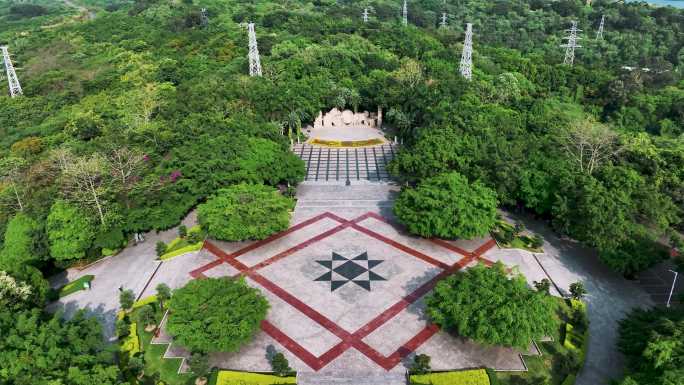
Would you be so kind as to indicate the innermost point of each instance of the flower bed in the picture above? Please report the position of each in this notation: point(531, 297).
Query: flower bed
point(131, 344)
point(343, 143)
point(463, 377)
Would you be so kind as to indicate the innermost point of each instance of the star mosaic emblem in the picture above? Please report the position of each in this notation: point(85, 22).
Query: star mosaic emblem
point(342, 270)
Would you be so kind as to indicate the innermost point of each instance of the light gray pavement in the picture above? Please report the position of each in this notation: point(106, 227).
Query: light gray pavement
point(610, 298)
point(350, 307)
point(132, 268)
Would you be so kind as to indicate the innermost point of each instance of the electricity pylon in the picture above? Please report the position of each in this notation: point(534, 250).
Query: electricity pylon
point(443, 23)
point(466, 66)
point(204, 18)
point(12, 79)
point(365, 15)
point(571, 44)
point(599, 34)
point(254, 60)
point(404, 14)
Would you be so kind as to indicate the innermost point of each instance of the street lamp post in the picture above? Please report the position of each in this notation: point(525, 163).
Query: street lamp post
point(674, 281)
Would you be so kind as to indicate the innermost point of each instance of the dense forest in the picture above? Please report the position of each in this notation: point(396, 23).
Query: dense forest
point(136, 111)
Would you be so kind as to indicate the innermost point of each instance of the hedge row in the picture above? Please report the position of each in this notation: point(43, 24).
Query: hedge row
point(227, 377)
point(463, 377)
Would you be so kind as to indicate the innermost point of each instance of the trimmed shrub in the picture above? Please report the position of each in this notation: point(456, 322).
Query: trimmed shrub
point(229, 312)
point(463, 377)
point(227, 377)
point(245, 211)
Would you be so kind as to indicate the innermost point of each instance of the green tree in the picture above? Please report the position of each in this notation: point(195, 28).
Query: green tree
point(245, 212)
point(486, 305)
point(199, 364)
point(447, 206)
point(126, 299)
point(577, 290)
point(421, 364)
point(653, 343)
point(53, 350)
point(280, 365)
point(22, 239)
point(215, 314)
point(146, 315)
point(163, 294)
point(70, 232)
point(160, 248)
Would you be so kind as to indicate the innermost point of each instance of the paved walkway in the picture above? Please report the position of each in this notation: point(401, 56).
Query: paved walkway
point(610, 298)
point(132, 268)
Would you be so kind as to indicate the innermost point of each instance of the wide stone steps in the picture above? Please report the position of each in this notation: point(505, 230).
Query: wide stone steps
point(331, 203)
point(309, 191)
point(342, 164)
point(351, 379)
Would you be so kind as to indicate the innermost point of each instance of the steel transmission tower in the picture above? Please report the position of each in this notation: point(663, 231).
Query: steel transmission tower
point(205, 18)
point(12, 79)
point(467, 56)
point(365, 15)
point(571, 44)
point(254, 60)
point(443, 23)
point(599, 34)
point(404, 14)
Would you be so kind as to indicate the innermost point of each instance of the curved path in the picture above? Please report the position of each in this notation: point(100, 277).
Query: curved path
point(610, 298)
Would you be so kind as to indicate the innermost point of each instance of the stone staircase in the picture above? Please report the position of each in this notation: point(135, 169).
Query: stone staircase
point(351, 379)
point(367, 195)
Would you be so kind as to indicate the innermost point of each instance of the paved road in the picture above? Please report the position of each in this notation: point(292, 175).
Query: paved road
point(132, 269)
point(610, 298)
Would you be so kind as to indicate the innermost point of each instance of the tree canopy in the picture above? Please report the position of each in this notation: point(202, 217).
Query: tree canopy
point(215, 314)
point(69, 231)
point(653, 343)
point(485, 304)
point(137, 114)
point(245, 211)
point(37, 349)
point(447, 206)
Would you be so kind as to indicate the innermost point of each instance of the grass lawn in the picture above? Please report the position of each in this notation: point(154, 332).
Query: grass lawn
point(74, 286)
point(153, 354)
point(520, 241)
point(546, 366)
point(154, 363)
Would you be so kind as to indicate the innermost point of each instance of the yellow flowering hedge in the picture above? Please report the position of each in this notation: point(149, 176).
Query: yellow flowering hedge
point(227, 377)
point(131, 344)
point(463, 377)
point(345, 143)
